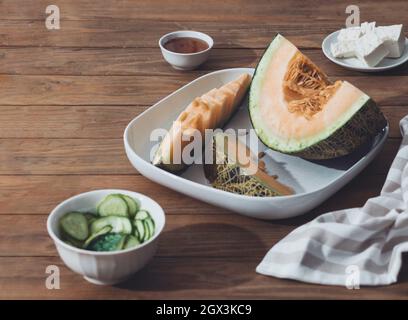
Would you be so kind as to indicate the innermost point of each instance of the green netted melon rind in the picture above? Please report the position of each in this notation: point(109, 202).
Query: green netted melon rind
point(361, 128)
point(227, 176)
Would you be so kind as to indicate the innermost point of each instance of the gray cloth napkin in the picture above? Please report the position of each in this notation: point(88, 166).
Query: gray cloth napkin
point(361, 245)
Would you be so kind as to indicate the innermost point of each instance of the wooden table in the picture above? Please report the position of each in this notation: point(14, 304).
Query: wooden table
point(66, 96)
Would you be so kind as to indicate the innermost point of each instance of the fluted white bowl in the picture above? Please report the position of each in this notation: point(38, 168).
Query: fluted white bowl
point(104, 267)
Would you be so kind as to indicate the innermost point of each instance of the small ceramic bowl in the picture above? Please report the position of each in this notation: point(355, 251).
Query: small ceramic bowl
point(185, 61)
point(104, 267)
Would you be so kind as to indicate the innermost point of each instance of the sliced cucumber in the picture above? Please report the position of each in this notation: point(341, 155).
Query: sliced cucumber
point(132, 204)
point(142, 214)
point(108, 242)
point(139, 227)
point(75, 225)
point(73, 242)
point(135, 232)
point(118, 224)
point(147, 231)
point(95, 235)
point(150, 226)
point(121, 244)
point(131, 241)
point(70, 242)
point(90, 217)
point(113, 205)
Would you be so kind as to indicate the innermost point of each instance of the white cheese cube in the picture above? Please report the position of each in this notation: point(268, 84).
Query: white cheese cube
point(370, 49)
point(393, 38)
point(367, 27)
point(349, 34)
point(343, 49)
point(353, 33)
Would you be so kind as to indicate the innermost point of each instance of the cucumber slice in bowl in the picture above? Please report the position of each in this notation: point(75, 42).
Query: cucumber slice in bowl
point(90, 217)
point(108, 242)
point(147, 231)
point(97, 234)
point(133, 205)
point(142, 214)
point(75, 225)
point(131, 241)
point(113, 205)
point(72, 242)
point(140, 230)
point(118, 224)
point(121, 243)
point(149, 223)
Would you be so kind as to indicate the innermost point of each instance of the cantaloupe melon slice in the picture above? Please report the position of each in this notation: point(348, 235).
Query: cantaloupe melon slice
point(210, 111)
point(296, 109)
point(236, 169)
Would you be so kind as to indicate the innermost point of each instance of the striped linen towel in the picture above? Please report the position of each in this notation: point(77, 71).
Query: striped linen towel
point(366, 241)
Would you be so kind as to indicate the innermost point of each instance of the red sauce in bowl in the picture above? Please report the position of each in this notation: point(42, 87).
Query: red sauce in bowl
point(186, 45)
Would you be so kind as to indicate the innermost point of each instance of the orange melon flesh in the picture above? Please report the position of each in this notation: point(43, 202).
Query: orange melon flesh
point(289, 131)
point(210, 111)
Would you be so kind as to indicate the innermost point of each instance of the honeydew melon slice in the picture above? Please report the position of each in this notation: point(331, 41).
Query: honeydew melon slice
point(296, 109)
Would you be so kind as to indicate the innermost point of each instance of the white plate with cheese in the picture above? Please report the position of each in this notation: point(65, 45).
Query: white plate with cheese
point(354, 63)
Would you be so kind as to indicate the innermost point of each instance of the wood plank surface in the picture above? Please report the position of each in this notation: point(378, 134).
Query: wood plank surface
point(185, 235)
point(141, 61)
point(102, 156)
point(100, 122)
point(35, 190)
point(131, 90)
point(207, 278)
point(67, 95)
point(142, 33)
point(86, 122)
point(230, 10)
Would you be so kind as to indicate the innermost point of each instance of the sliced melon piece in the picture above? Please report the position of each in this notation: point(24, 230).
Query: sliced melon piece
point(210, 111)
point(236, 169)
point(295, 109)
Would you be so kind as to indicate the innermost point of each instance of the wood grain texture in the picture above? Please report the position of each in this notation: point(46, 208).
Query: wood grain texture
point(184, 236)
point(35, 190)
point(141, 61)
point(174, 278)
point(100, 122)
point(64, 156)
point(142, 33)
point(102, 156)
point(211, 10)
point(67, 95)
point(130, 90)
point(95, 122)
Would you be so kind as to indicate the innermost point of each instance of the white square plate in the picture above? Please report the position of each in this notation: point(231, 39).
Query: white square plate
point(313, 181)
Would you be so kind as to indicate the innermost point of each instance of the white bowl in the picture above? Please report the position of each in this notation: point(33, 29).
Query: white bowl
point(185, 61)
point(104, 267)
